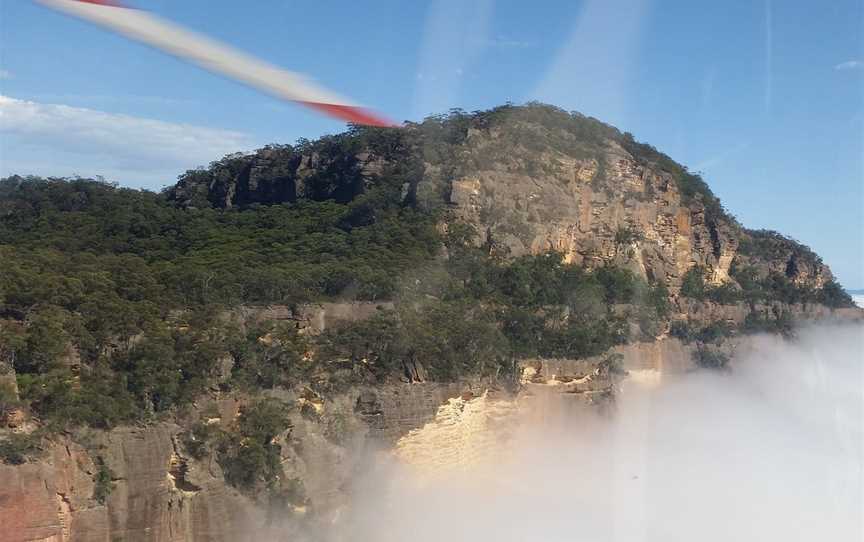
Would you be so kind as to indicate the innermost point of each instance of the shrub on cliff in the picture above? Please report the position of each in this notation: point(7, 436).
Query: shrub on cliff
point(771, 245)
point(8, 399)
point(103, 481)
point(779, 322)
point(693, 285)
point(833, 295)
point(268, 356)
point(708, 358)
point(249, 454)
point(247, 451)
point(691, 185)
point(16, 448)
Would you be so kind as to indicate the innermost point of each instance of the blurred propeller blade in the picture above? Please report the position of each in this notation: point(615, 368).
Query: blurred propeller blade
point(216, 57)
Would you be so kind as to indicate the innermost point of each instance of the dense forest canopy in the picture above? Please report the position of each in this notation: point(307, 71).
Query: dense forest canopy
point(133, 288)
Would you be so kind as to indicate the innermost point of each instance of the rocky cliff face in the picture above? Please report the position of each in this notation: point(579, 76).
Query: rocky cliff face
point(604, 209)
point(160, 492)
point(529, 179)
point(280, 174)
point(157, 494)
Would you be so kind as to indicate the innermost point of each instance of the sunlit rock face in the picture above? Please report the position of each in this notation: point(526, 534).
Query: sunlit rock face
point(582, 210)
point(466, 432)
point(473, 430)
point(530, 179)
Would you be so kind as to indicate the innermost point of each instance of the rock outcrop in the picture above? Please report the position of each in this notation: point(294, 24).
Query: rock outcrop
point(769, 252)
point(529, 179)
point(605, 209)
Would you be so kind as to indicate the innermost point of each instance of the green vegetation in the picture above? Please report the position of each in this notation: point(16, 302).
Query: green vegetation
point(248, 451)
point(135, 250)
point(110, 299)
point(771, 245)
point(767, 245)
point(103, 482)
point(614, 363)
point(708, 358)
point(478, 313)
point(712, 332)
point(198, 440)
point(779, 322)
point(756, 289)
point(693, 285)
point(15, 448)
point(8, 398)
point(114, 301)
point(626, 236)
point(449, 339)
point(277, 359)
point(250, 456)
point(833, 295)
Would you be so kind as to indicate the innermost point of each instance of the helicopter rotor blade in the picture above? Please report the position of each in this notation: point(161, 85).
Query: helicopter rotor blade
point(216, 57)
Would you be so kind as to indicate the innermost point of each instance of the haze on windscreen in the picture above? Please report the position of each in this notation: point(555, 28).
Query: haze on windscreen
point(769, 451)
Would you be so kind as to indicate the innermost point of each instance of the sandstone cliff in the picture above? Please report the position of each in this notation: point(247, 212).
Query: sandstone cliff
point(530, 179)
point(161, 492)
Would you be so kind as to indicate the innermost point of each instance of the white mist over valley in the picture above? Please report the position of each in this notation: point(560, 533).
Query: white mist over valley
point(769, 451)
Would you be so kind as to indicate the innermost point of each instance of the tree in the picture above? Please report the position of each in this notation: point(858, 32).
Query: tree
point(249, 455)
point(833, 295)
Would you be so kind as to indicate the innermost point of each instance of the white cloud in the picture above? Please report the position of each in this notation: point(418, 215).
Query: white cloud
point(98, 101)
point(48, 139)
point(5, 74)
point(850, 65)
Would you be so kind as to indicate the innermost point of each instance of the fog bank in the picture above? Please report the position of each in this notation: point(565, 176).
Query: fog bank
point(771, 451)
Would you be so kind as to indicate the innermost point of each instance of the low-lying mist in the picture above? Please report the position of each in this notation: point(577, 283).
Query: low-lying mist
point(769, 451)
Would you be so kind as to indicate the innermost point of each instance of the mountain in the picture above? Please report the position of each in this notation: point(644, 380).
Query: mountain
point(528, 179)
point(198, 362)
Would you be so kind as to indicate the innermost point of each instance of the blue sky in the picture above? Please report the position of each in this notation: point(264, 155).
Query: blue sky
point(766, 98)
